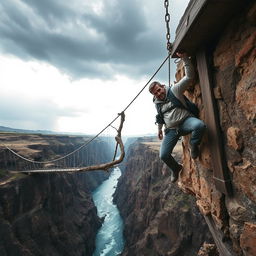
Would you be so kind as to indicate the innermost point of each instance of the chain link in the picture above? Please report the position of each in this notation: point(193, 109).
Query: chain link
point(168, 37)
point(167, 20)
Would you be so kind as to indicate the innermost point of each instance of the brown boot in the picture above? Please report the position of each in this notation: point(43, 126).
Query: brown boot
point(175, 174)
point(194, 151)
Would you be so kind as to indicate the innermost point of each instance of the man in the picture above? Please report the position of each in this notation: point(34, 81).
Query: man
point(176, 121)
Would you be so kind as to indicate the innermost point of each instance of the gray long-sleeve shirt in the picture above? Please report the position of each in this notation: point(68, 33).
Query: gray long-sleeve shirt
point(175, 116)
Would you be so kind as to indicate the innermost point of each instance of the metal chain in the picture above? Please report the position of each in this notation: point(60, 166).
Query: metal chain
point(167, 20)
point(168, 36)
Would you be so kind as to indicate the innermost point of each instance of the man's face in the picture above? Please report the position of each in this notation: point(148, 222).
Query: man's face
point(159, 91)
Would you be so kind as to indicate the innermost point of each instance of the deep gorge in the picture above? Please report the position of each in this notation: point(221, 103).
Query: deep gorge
point(54, 214)
point(209, 211)
point(159, 219)
point(50, 214)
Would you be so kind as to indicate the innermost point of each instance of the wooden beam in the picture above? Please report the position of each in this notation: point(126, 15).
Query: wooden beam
point(219, 165)
point(224, 248)
point(203, 21)
point(187, 22)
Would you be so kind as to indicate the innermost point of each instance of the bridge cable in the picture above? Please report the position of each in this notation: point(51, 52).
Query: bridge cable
point(93, 138)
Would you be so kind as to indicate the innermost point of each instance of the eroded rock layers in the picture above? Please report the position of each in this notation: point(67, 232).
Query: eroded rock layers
point(50, 214)
point(159, 218)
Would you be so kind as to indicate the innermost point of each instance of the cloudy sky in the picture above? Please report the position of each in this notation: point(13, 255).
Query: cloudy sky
point(71, 66)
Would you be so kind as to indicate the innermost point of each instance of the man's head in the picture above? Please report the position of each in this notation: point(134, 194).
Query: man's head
point(158, 90)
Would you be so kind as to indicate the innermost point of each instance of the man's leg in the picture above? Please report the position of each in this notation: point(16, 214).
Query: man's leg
point(169, 141)
point(196, 127)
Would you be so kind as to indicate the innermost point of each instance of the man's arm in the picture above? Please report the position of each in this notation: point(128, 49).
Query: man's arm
point(179, 88)
point(160, 132)
point(159, 121)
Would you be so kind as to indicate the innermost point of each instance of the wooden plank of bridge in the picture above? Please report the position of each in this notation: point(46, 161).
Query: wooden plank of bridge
point(51, 170)
point(59, 170)
point(219, 165)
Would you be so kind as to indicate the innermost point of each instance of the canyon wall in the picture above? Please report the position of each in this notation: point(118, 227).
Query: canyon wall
point(149, 203)
point(50, 214)
point(233, 69)
point(159, 219)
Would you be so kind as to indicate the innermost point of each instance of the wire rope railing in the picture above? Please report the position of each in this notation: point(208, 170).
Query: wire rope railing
point(121, 114)
point(95, 136)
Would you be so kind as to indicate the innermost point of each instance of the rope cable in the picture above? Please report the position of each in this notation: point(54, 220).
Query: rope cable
point(94, 137)
point(147, 83)
point(169, 71)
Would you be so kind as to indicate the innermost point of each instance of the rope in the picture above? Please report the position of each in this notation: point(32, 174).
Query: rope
point(147, 82)
point(169, 71)
point(93, 138)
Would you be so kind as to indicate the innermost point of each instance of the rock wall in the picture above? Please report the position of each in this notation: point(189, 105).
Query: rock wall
point(50, 214)
point(46, 215)
point(148, 203)
point(159, 219)
point(234, 77)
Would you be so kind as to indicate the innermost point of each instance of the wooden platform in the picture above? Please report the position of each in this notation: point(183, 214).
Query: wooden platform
point(203, 21)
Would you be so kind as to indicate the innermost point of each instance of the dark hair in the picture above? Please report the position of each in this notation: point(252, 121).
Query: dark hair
point(152, 85)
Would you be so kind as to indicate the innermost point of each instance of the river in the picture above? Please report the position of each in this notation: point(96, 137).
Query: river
point(109, 239)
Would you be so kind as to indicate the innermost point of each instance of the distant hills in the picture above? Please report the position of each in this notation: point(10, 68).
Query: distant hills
point(16, 130)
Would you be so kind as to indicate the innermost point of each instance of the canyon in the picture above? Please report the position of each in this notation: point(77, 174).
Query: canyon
point(53, 214)
point(49, 214)
point(222, 179)
point(159, 219)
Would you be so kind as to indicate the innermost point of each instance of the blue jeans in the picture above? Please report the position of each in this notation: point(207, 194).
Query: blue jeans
point(190, 125)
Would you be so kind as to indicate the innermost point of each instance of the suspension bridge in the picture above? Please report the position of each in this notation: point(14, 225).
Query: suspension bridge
point(68, 163)
point(76, 160)
point(26, 153)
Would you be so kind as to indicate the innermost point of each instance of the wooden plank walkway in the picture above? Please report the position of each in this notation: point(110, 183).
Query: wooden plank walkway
point(75, 169)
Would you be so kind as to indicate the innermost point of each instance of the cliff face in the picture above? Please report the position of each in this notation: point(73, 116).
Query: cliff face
point(159, 218)
point(232, 218)
point(149, 202)
point(46, 215)
point(50, 214)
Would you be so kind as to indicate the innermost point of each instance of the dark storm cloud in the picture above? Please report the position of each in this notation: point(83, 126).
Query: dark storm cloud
point(77, 40)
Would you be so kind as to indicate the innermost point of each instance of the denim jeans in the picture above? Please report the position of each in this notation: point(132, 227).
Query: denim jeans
point(190, 125)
